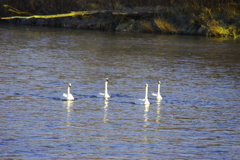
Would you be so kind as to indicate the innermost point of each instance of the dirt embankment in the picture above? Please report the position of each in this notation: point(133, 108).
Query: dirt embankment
point(218, 18)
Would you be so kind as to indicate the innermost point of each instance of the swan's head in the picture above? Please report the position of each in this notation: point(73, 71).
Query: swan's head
point(69, 85)
point(146, 85)
point(159, 82)
point(106, 79)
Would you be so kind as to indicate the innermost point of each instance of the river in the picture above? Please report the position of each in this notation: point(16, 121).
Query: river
point(198, 117)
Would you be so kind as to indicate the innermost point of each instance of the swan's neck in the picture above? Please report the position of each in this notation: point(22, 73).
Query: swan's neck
point(106, 90)
point(146, 96)
point(68, 93)
point(146, 93)
point(158, 89)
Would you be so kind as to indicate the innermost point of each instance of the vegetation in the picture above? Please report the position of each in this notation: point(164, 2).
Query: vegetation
point(219, 18)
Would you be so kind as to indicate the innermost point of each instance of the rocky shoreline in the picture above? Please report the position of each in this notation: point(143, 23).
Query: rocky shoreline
point(160, 20)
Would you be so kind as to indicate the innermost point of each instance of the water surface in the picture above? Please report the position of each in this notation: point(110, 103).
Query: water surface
point(198, 117)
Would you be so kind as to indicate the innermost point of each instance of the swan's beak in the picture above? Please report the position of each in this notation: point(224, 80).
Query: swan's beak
point(107, 79)
point(70, 85)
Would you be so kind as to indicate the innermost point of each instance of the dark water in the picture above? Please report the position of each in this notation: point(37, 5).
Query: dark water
point(198, 117)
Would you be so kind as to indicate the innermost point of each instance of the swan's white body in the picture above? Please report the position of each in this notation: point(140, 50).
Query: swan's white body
point(145, 100)
point(68, 96)
point(105, 94)
point(158, 95)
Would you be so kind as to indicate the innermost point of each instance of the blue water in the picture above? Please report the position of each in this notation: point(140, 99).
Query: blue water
point(198, 117)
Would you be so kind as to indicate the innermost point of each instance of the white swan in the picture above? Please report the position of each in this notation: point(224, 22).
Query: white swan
point(158, 95)
point(145, 100)
point(105, 94)
point(68, 96)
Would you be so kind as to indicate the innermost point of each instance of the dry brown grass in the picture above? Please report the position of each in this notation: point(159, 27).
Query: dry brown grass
point(217, 29)
point(164, 26)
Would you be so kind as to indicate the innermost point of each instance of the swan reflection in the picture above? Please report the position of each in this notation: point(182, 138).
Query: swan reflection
point(105, 119)
point(146, 123)
point(145, 115)
point(158, 111)
point(68, 105)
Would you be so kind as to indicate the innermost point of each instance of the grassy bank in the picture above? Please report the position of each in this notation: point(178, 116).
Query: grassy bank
point(218, 18)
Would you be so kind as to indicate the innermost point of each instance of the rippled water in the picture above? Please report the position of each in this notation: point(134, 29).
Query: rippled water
point(198, 117)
